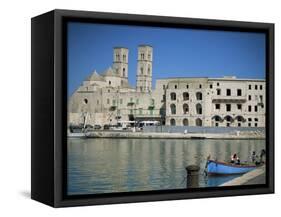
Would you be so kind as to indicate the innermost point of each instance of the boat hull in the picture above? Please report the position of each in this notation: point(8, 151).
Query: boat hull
point(221, 168)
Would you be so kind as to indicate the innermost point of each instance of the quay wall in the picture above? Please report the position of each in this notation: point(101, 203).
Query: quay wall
point(194, 129)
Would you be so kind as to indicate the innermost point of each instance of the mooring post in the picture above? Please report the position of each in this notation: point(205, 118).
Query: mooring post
point(192, 176)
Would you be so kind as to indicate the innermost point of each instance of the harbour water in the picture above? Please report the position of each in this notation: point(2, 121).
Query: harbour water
point(124, 165)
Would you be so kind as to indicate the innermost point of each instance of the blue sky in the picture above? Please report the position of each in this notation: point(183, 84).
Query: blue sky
point(176, 52)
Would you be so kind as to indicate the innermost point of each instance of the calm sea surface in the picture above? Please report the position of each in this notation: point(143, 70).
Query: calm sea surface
point(122, 165)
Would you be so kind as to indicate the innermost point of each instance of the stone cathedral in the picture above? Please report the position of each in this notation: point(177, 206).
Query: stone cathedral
point(107, 97)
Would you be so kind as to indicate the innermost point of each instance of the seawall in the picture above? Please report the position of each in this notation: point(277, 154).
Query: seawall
point(154, 135)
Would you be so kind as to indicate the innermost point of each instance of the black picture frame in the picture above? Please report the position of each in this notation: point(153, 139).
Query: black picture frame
point(48, 148)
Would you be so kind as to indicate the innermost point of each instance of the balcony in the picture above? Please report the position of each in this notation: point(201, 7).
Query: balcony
point(229, 99)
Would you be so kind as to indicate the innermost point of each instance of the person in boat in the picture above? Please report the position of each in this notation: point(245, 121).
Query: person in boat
point(254, 157)
point(262, 156)
point(235, 159)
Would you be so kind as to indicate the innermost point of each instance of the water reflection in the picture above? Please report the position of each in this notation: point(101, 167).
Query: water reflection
point(121, 165)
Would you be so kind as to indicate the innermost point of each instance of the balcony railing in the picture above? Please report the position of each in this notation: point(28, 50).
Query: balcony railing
point(230, 99)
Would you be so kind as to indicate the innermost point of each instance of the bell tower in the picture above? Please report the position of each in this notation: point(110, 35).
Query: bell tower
point(144, 68)
point(120, 63)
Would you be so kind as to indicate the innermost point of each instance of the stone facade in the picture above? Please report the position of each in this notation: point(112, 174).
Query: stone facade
point(107, 97)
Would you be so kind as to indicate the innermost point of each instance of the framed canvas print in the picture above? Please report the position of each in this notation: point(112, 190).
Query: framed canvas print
point(134, 108)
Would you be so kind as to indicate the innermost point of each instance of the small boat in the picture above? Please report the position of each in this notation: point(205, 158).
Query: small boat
point(223, 168)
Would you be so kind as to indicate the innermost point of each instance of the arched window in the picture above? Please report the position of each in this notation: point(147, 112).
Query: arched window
point(199, 96)
point(173, 96)
point(173, 109)
point(199, 108)
point(141, 70)
point(185, 122)
point(185, 96)
point(173, 122)
point(185, 108)
point(198, 122)
point(228, 118)
point(124, 72)
point(86, 101)
point(109, 82)
point(124, 58)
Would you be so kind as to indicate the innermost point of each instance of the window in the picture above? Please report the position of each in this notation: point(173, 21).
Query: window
point(137, 101)
point(140, 111)
point(187, 86)
point(86, 101)
point(256, 87)
point(240, 118)
point(141, 70)
point(199, 109)
point(218, 92)
point(261, 98)
point(239, 106)
point(108, 101)
point(199, 96)
point(249, 108)
point(228, 92)
point(173, 96)
point(211, 86)
point(249, 124)
point(176, 86)
point(109, 82)
point(256, 119)
point(173, 109)
point(185, 96)
point(198, 122)
point(218, 106)
point(124, 72)
point(218, 84)
point(200, 86)
point(228, 124)
point(260, 87)
point(256, 108)
point(217, 124)
point(108, 90)
point(256, 124)
point(250, 87)
point(163, 87)
point(249, 119)
point(124, 58)
point(239, 92)
point(185, 122)
point(148, 71)
point(249, 97)
point(149, 56)
point(185, 108)
point(228, 107)
point(113, 102)
point(172, 122)
point(98, 102)
point(239, 124)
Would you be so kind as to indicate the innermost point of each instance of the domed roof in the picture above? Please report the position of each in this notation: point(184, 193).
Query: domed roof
point(109, 72)
point(95, 77)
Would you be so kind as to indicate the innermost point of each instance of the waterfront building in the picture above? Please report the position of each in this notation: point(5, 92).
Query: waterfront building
point(107, 97)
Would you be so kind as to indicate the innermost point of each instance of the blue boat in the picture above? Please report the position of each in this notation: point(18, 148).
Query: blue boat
point(223, 168)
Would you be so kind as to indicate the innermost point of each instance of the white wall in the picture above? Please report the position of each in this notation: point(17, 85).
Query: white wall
point(15, 125)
